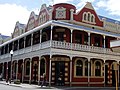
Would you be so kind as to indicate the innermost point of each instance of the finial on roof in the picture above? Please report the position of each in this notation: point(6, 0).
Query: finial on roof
point(89, 5)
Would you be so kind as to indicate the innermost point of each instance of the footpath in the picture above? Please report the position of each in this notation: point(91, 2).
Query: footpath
point(23, 85)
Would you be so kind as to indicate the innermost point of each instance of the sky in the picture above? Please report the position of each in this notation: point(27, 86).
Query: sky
point(12, 11)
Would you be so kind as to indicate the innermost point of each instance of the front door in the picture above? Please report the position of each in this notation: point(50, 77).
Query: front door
point(59, 73)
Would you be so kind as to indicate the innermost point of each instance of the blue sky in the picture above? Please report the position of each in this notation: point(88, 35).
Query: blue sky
point(12, 11)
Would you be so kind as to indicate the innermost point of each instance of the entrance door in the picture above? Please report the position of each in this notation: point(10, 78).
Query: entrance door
point(59, 73)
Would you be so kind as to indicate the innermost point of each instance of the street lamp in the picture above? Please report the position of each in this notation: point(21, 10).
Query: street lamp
point(11, 53)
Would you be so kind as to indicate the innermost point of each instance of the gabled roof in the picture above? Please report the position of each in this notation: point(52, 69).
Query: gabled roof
point(109, 19)
point(3, 37)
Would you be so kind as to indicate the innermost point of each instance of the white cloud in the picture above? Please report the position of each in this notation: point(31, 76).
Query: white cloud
point(83, 2)
point(112, 6)
point(59, 1)
point(9, 15)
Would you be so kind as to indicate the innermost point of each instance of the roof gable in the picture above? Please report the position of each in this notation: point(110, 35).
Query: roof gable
point(31, 21)
point(18, 28)
point(88, 15)
point(43, 15)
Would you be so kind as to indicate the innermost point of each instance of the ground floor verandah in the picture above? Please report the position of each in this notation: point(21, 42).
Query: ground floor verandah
point(62, 70)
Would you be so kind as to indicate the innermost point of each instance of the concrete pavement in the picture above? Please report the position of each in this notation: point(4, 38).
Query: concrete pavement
point(32, 86)
point(23, 85)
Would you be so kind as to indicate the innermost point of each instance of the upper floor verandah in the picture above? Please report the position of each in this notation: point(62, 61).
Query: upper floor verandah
point(56, 34)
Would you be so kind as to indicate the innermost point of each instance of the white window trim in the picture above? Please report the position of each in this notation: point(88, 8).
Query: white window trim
point(86, 13)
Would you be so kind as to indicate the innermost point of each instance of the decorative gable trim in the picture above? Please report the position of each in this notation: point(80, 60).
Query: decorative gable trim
point(60, 13)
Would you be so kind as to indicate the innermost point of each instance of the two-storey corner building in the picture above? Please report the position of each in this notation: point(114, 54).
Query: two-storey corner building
point(61, 42)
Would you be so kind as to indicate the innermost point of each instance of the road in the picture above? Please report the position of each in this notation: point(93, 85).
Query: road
point(8, 87)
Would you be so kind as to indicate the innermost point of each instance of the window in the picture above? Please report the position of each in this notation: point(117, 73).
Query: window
point(86, 39)
point(42, 66)
point(60, 12)
point(15, 45)
point(88, 17)
point(28, 41)
point(92, 18)
point(44, 37)
point(27, 68)
point(42, 18)
point(2, 50)
point(79, 68)
point(6, 49)
point(97, 68)
point(78, 38)
point(97, 41)
point(31, 23)
point(21, 43)
point(85, 17)
point(36, 37)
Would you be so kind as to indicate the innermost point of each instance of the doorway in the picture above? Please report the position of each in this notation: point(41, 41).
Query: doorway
point(59, 73)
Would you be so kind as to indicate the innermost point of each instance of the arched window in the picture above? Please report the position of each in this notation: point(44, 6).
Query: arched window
point(79, 68)
point(44, 37)
point(97, 68)
point(85, 17)
point(88, 16)
point(44, 18)
point(86, 68)
point(27, 68)
point(42, 66)
point(92, 18)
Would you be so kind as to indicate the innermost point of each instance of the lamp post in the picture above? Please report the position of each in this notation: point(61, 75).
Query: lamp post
point(11, 53)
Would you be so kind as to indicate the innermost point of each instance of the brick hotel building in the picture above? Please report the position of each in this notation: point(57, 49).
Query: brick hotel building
point(61, 40)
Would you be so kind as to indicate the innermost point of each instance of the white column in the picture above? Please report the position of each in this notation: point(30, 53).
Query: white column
point(104, 41)
point(18, 45)
point(51, 36)
point(40, 37)
point(30, 71)
point(50, 57)
point(16, 70)
point(8, 48)
point(89, 71)
point(50, 71)
point(70, 71)
point(23, 71)
point(7, 72)
point(31, 39)
point(89, 38)
point(118, 73)
point(104, 73)
point(39, 71)
point(71, 14)
point(71, 60)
